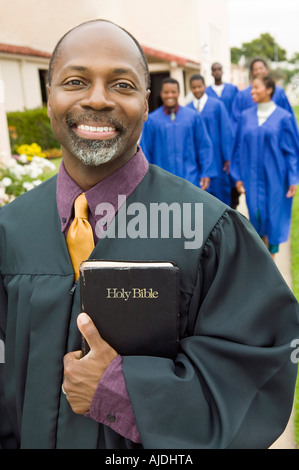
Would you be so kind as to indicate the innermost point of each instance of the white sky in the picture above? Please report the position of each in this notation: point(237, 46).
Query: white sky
point(250, 18)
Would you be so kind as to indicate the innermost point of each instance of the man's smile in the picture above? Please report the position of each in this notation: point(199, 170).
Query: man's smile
point(95, 132)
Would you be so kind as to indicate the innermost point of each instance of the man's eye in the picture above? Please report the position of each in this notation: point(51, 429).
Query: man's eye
point(124, 85)
point(74, 82)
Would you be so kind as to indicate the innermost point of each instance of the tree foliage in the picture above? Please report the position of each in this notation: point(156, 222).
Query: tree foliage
point(265, 46)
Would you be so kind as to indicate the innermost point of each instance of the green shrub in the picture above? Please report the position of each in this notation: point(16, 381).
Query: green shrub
point(26, 127)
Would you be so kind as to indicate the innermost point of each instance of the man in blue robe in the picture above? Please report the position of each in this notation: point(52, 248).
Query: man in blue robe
point(175, 138)
point(213, 113)
point(226, 92)
point(243, 99)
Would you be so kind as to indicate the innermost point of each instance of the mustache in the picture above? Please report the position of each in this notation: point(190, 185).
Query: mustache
point(98, 117)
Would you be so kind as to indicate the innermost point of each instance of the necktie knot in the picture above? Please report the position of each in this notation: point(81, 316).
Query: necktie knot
point(81, 207)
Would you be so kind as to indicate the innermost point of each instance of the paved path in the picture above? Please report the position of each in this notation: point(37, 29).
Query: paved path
point(283, 262)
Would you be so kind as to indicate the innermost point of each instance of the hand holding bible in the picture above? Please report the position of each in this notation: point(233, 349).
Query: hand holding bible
point(82, 374)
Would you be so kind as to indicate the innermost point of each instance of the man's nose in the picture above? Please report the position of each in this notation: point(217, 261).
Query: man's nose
point(98, 97)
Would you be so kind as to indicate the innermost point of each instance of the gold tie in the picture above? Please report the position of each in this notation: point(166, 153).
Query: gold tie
point(80, 239)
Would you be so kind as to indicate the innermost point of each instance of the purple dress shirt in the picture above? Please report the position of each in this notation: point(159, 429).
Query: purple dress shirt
point(111, 403)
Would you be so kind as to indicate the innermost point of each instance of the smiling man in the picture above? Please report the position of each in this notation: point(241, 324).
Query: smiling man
point(232, 383)
point(97, 110)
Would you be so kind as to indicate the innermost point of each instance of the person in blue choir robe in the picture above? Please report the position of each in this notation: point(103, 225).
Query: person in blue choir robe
point(243, 99)
point(265, 164)
point(226, 92)
point(175, 138)
point(213, 112)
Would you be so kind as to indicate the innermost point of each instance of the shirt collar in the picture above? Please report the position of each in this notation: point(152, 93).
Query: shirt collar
point(121, 182)
point(200, 104)
point(169, 111)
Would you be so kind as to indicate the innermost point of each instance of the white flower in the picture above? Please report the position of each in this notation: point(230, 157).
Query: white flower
point(23, 158)
point(27, 185)
point(6, 181)
point(35, 172)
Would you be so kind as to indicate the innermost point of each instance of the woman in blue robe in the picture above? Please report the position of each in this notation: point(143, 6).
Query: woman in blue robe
point(243, 99)
point(175, 139)
point(265, 162)
point(214, 115)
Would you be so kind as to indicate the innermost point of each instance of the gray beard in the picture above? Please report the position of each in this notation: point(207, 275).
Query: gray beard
point(95, 152)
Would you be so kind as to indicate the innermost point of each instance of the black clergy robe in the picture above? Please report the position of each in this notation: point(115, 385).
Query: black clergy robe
point(232, 383)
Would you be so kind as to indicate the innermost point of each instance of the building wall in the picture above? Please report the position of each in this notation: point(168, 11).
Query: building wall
point(168, 25)
point(194, 29)
point(213, 37)
point(22, 84)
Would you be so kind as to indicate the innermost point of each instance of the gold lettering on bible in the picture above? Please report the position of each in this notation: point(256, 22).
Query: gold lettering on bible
point(134, 293)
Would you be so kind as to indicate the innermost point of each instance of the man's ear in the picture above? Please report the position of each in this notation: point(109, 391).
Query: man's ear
point(146, 105)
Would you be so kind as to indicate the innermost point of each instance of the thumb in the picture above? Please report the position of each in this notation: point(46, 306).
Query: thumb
point(88, 329)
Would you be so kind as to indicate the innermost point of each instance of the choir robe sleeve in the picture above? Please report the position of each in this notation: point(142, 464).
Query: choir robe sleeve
point(204, 147)
point(226, 134)
point(290, 147)
point(239, 104)
point(235, 170)
point(7, 439)
point(233, 381)
point(147, 139)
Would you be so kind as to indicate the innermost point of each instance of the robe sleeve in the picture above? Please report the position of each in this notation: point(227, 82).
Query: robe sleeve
point(207, 167)
point(147, 140)
point(237, 108)
point(235, 163)
point(7, 439)
point(232, 383)
point(225, 134)
point(290, 146)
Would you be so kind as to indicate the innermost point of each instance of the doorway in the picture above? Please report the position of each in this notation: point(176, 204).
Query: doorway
point(156, 81)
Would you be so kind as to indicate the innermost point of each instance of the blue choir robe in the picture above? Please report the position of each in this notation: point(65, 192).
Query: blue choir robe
point(181, 147)
point(227, 96)
point(217, 122)
point(243, 100)
point(266, 159)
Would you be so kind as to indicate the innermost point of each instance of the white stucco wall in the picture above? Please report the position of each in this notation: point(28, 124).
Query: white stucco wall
point(194, 29)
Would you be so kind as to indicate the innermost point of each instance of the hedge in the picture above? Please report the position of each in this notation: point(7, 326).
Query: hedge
point(31, 126)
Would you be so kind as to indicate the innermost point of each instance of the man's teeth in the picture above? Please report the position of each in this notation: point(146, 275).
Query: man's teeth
point(96, 129)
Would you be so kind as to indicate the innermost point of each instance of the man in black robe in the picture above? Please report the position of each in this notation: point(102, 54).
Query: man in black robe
point(232, 382)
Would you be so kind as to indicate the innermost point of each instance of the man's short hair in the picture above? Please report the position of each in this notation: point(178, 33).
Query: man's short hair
point(142, 54)
point(197, 76)
point(170, 80)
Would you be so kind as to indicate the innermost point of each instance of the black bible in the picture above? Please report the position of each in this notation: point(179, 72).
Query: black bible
point(134, 305)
